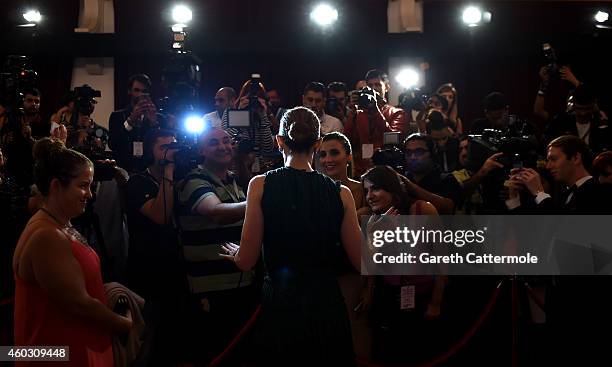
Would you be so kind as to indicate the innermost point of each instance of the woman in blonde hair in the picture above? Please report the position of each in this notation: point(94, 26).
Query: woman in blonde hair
point(300, 215)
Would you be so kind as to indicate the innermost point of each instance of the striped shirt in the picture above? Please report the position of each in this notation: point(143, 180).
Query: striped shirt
point(201, 237)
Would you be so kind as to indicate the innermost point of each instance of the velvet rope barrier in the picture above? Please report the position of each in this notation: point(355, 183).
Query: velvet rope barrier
point(433, 362)
point(461, 342)
point(245, 329)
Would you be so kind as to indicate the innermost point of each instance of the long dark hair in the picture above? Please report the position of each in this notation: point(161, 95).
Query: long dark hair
point(384, 177)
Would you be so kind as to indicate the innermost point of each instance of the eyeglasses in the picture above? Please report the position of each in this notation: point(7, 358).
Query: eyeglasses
point(416, 152)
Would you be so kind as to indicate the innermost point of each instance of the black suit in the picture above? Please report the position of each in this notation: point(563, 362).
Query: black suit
point(600, 134)
point(577, 306)
point(589, 198)
point(121, 141)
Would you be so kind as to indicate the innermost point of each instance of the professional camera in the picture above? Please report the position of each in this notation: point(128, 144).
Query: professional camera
point(552, 65)
point(331, 105)
point(366, 98)
point(186, 157)
point(15, 78)
point(254, 104)
point(413, 99)
point(390, 156)
point(85, 99)
point(518, 150)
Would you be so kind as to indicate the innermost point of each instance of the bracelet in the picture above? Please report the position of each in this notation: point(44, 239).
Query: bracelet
point(167, 179)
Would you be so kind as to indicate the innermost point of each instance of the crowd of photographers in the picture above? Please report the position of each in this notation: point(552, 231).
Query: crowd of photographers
point(162, 208)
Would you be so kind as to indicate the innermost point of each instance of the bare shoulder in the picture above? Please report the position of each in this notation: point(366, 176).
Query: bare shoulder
point(40, 241)
point(427, 208)
point(257, 182)
point(347, 196)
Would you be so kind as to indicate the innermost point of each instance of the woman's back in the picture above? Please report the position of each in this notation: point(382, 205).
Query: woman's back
point(303, 214)
point(304, 317)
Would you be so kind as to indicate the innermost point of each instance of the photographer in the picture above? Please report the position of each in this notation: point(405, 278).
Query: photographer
point(252, 97)
point(84, 134)
point(395, 118)
point(582, 119)
point(449, 92)
point(435, 103)
point(447, 147)
point(63, 116)
point(32, 118)
point(336, 102)
point(426, 180)
point(365, 128)
point(153, 257)
point(211, 207)
point(127, 127)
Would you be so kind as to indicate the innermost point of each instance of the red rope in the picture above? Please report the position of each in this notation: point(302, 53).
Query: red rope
point(462, 342)
point(433, 362)
point(249, 324)
point(6, 301)
point(535, 297)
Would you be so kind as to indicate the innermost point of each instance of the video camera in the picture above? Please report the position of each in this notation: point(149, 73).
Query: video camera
point(16, 77)
point(391, 156)
point(331, 105)
point(518, 150)
point(85, 99)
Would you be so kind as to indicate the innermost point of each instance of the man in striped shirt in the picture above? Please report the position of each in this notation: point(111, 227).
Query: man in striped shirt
point(211, 209)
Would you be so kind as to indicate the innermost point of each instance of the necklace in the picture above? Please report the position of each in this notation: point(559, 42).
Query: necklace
point(68, 229)
point(55, 218)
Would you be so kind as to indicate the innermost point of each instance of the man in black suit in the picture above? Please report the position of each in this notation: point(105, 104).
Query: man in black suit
point(568, 158)
point(583, 120)
point(128, 126)
point(577, 307)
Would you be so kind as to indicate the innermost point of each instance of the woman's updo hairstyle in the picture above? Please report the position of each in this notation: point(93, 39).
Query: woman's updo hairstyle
point(53, 160)
point(301, 129)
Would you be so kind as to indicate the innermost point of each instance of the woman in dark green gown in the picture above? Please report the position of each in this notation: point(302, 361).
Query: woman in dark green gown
point(299, 216)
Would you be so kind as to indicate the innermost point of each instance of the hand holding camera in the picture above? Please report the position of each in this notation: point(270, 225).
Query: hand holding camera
point(144, 107)
point(566, 74)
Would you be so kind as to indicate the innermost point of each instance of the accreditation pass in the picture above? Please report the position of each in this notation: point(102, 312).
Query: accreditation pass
point(34, 353)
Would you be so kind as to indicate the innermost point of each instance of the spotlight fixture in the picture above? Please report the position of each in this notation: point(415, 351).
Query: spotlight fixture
point(602, 17)
point(194, 124)
point(181, 14)
point(474, 16)
point(324, 15)
point(407, 78)
point(32, 16)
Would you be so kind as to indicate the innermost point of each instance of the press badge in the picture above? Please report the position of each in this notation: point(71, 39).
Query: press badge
point(138, 149)
point(407, 297)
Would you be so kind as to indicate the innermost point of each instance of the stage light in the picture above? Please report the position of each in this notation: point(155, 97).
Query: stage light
point(32, 16)
point(472, 16)
point(407, 78)
point(602, 17)
point(194, 124)
point(324, 15)
point(181, 14)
